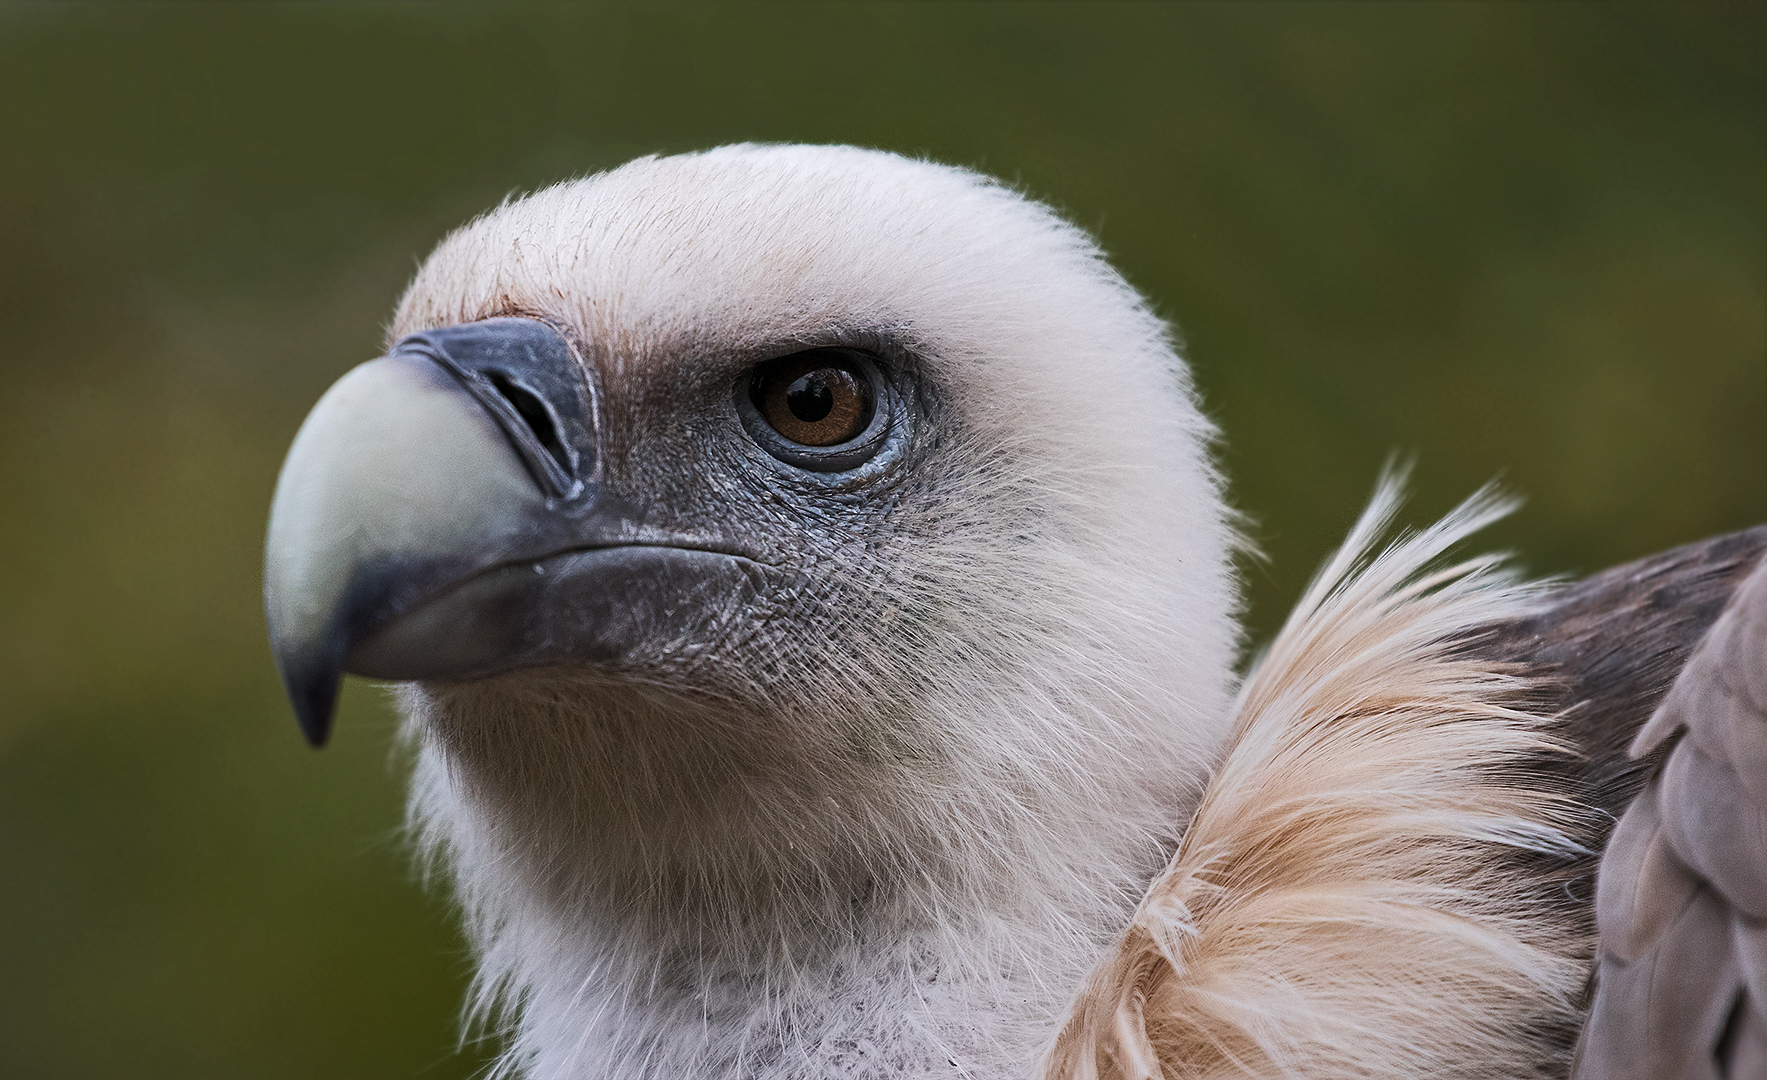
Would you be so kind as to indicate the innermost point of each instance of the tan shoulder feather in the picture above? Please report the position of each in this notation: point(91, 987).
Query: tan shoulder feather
point(1335, 909)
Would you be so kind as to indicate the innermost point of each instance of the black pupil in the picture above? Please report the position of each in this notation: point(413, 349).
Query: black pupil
point(809, 398)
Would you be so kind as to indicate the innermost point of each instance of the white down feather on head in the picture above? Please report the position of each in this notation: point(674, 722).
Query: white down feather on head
point(908, 855)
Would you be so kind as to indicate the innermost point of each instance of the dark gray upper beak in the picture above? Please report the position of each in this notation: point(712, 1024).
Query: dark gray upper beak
point(440, 515)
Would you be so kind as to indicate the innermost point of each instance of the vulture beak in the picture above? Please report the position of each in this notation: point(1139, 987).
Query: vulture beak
point(440, 516)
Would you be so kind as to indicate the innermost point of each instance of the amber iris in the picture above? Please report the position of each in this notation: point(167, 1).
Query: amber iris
point(817, 398)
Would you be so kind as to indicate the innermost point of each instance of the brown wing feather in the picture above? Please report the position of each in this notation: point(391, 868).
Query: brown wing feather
point(1651, 1013)
point(1714, 827)
point(1615, 642)
point(1682, 995)
point(1635, 907)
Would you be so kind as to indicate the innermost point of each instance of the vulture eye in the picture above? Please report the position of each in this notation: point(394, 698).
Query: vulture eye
point(823, 409)
point(818, 398)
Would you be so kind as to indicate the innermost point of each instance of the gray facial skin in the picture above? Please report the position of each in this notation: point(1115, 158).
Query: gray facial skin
point(440, 515)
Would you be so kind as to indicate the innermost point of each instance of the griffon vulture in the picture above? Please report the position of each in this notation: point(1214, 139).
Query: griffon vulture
point(810, 591)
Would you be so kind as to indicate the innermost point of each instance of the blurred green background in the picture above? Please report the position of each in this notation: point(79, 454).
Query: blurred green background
point(1517, 240)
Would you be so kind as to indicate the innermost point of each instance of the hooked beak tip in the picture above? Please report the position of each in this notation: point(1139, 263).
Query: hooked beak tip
point(314, 715)
point(312, 690)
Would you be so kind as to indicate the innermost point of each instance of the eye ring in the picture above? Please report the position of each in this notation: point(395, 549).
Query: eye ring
point(823, 410)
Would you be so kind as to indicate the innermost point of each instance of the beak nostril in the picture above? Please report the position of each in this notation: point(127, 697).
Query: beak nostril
point(534, 411)
point(529, 380)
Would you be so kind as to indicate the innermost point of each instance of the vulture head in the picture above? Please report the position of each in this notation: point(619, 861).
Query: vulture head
point(811, 597)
